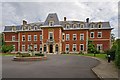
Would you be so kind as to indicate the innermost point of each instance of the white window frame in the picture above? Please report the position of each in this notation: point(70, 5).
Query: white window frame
point(92, 25)
point(98, 35)
point(67, 26)
point(29, 37)
point(74, 36)
point(35, 27)
point(67, 37)
point(82, 26)
point(83, 47)
point(91, 33)
point(29, 47)
point(74, 45)
point(51, 23)
point(23, 49)
point(41, 37)
point(52, 35)
point(63, 37)
point(101, 47)
point(82, 36)
point(74, 25)
point(35, 46)
point(13, 38)
point(100, 25)
point(34, 37)
point(22, 37)
point(67, 46)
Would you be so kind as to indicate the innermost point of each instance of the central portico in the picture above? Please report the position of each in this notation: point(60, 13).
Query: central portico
point(52, 35)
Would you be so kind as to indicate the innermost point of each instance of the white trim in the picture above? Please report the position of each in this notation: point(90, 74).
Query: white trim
point(74, 36)
point(13, 38)
point(34, 37)
point(67, 46)
point(80, 47)
point(82, 36)
point(67, 37)
point(74, 45)
point(98, 34)
point(29, 37)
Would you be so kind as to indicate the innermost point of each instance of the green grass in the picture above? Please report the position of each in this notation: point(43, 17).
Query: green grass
point(7, 54)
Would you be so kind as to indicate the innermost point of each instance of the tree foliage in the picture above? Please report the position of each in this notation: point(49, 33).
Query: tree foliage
point(117, 57)
point(91, 47)
point(6, 48)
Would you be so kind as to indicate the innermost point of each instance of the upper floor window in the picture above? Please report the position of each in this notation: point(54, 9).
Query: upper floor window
point(23, 37)
point(51, 23)
point(29, 37)
point(13, 28)
point(74, 37)
point(91, 34)
point(99, 25)
point(29, 28)
point(24, 28)
point(82, 26)
point(40, 37)
point(13, 38)
point(63, 37)
point(67, 37)
point(35, 37)
point(51, 35)
point(67, 26)
point(81, 36)
point(99, 34)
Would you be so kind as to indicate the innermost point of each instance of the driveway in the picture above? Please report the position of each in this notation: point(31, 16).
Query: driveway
point(56, 66)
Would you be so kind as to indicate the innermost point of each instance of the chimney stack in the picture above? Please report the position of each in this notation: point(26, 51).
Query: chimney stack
point(24, 22)
point(87, 20)
point(64, 18)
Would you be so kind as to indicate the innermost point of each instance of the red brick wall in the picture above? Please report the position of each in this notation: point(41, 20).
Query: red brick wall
point(26, 43)
point(8, 36)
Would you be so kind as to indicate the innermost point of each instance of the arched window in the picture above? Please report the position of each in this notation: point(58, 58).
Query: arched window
point(99, 25)
point(74, 25)
point(92, 25)
point(35, 27)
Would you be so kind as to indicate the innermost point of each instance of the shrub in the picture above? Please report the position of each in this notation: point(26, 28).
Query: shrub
point(39, 54)
point(6, 48)
point(25, 55)
point(63, 52)
point(117, 58)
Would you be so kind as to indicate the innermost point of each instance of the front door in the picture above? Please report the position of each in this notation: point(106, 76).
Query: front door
point(51, 49)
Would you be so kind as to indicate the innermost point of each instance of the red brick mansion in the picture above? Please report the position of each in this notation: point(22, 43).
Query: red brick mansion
point(54, 36)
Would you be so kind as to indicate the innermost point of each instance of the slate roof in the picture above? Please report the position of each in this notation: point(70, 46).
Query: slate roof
point(54, 17)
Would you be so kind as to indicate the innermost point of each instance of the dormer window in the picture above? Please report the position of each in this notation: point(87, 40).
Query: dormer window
point(99, 25)
point(82, 26)
point(92, 25)
point(13, 28)
point(23, 28)
point(35, 27)
point(74, 26)
point(51, 23)
point(29, 28)
point(67, 26)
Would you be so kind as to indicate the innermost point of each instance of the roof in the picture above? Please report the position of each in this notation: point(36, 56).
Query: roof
point(54, 17)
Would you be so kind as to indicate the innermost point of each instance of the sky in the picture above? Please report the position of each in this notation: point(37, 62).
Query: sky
point(13, 12)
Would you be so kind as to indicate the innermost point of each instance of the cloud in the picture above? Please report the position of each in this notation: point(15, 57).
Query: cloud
point(15, 12)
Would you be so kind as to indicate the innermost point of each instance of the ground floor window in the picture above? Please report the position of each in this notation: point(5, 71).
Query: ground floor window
point(67, 48)
point(29, 47)
point(35, 47)
point(23, 47)
point(14, 48)
point(81, 47)
point(40, 48)
point(74, 47)
point(56, 48)
point(45, 48)
point(99, 47)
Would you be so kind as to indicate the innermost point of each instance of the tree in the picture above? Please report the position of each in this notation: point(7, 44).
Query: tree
point(91, 47)
point(117, 57)
point(6, 48)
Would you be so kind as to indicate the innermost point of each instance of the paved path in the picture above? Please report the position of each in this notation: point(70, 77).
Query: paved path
point(106, 70)
point(57, 66)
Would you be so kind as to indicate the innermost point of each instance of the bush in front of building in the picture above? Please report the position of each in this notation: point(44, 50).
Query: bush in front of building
point(39, 54)
point(117, 53)
point(6, 48)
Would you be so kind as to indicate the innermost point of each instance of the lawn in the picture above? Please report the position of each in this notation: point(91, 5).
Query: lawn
point(7, 54)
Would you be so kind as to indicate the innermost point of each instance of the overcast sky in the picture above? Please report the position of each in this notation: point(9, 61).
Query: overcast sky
point(14, 12)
